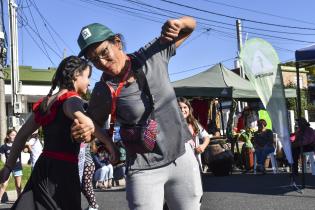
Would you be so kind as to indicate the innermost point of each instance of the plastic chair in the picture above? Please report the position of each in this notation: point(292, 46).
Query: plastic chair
point(272, 156)
point(309, 156)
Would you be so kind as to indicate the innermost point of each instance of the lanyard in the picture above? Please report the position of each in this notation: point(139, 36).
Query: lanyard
point(115, 94)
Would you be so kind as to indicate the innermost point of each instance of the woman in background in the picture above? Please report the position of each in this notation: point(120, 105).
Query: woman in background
point(34, 147)
point(104, 171)
point(197, 131)
point(263, 144)
point(17, 169)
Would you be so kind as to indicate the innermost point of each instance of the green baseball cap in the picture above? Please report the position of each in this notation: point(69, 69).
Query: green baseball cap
point(91, 34)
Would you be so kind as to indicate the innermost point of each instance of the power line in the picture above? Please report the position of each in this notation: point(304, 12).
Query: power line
point(229, 35)
point(260, 29)
point(40, 37)
point(261, 34)
point(159, 8)
point(199, 67)
point(32, 2)
point(234, 17)
point(260, 12)
point(39, 46)
point(58, 55)
point(52, 28)
point(194, 38)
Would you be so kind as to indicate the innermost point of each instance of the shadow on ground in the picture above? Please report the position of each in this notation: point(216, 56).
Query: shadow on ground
point(268, 184)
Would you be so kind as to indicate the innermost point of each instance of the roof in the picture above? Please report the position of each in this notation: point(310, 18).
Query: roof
point(28, 75)
point(305, 56)
point(220, 82)
point(216, 81)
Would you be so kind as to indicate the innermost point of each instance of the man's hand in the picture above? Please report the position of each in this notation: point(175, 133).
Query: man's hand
point(82, 132)
point(177, 30)
point(170, 30)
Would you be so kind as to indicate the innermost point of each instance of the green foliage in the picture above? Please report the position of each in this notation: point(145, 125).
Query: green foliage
point(311, 74)
point(292, 102)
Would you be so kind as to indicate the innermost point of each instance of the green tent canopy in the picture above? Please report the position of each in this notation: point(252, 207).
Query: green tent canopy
point(218, 82)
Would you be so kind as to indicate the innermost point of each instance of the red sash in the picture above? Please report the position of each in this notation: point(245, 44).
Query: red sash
point(61, 156)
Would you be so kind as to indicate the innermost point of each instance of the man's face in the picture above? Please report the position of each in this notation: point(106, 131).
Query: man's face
point(107, 56)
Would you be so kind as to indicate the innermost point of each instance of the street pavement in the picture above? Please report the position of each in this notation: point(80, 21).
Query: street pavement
point(235, 192)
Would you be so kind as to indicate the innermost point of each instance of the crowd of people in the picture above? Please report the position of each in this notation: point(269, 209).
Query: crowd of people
point(135, 80)
point(161, 140)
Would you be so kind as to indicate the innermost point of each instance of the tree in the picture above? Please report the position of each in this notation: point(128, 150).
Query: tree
point(292, 103)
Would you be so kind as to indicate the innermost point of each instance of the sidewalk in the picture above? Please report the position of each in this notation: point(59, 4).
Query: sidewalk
point(12, 196)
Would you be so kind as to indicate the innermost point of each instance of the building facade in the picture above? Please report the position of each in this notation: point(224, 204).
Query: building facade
point(34, 84)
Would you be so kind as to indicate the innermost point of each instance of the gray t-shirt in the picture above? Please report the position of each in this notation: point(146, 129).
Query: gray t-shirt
point(131, 104)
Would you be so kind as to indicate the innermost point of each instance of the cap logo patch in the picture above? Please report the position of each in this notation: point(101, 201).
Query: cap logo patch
point(86, 33)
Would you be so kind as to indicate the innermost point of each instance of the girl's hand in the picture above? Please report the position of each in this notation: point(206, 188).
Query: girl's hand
point(200, 149)
point(4, 174)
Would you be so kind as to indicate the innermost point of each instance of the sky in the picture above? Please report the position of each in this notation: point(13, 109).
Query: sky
point(48, 30)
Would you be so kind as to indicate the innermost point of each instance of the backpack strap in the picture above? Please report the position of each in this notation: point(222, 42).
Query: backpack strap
point(137, 63)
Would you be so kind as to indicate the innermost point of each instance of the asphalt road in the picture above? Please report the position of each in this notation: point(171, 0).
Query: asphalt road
point(234, 192)
point(238, 192)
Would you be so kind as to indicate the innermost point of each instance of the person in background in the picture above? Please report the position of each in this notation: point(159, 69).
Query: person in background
point(16, 169)
point(247, 151)
point(54, 182)
point(197, 131)
point(87, 178)
point(34, 147)
point(263, 144)
point(104, 171)
point(120, 168)
point(305, 137)
point(250, 118)
point(170, 170)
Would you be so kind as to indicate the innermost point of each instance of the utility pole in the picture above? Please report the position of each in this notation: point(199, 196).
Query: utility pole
point(238, 63)
point(3, 53)
point(239, 46)
point(64, 53)
point(15, 81)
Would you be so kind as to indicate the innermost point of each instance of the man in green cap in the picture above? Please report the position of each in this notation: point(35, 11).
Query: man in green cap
point(91, 34)
point(170, 170)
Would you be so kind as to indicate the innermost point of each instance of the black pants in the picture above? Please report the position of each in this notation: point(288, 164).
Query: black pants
point(296, 152)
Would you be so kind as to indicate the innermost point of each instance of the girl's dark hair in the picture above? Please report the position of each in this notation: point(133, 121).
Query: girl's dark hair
point(64, 76)
point(9, 131)
point(190, 118)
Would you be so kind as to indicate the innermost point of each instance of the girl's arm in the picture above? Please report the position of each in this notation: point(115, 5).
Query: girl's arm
point(73, 109)
point(206, 139)
point(18, 145)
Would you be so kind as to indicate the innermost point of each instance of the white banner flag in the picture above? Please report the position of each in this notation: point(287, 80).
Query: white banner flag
point(261, 66)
